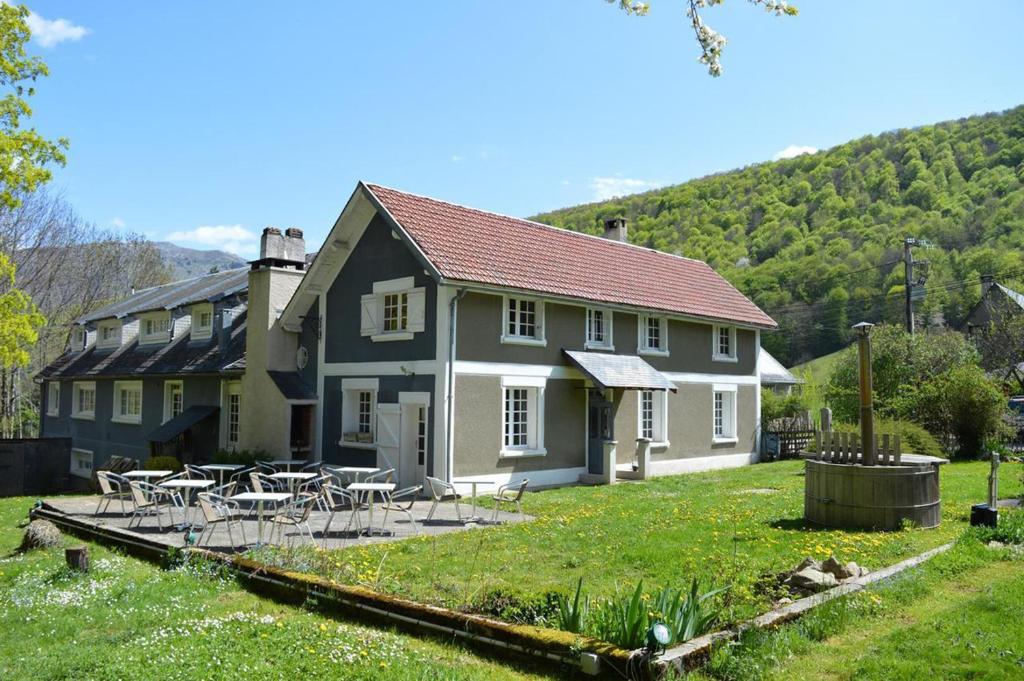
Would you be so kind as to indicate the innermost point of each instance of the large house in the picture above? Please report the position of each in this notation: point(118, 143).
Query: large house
point(451, 342)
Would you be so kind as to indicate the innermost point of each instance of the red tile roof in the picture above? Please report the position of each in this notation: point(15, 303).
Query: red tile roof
point(470, 245)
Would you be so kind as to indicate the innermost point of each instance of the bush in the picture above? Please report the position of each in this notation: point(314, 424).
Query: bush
point(913, 438)
point(244, 457)
point(963, 404)
point(775, 406)
point(162, 463)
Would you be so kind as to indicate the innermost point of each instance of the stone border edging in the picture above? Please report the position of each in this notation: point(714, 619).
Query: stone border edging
point(689, 655)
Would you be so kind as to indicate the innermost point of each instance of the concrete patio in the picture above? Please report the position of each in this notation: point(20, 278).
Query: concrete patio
point(398, 527)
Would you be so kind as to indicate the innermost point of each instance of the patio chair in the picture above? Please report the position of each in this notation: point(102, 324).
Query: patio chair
point(218, 509)
point(402, 501)
point(149, 499)
point(225, 490)
point(315, 486)
point(262, 484)
point(266, 468)
point(312, 467)
point(438, 490)
point(241, 477)
point(511, 493)
point(381, 476)
point(295, 514)
point(196, 473)
point(113, 487)
point(339, 500)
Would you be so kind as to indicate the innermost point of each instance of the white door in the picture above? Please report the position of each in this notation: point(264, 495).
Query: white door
point(413, 467)
point(389, 435)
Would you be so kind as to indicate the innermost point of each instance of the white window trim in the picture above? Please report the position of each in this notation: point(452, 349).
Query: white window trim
point(660, 438)
point(724, 439)
point(199, 332)
point(229, 388)
point(349, 410)
point(535, 382)
point(116, 414)
point(116, 341)
point(715, 355)
point(641, 336)
point(83, 415)
point(415, 310)
point(159, 336)
point(53, 398)
point(80, 471)
point(167, 398)
point(608, 343)
point(540, 340)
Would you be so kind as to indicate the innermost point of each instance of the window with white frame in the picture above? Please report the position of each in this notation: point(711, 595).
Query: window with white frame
point(231, 414)
point(81, 463)
point(652, 421)
point(522, 416)
point(127, 402)
point(421, 436)
point(724, 343)
point(108, 334)
point(83, 400)
point(394, 311)
point(359, 411)
point(53, 398)
point(653, 335)
point(524, 321)
point(724, 413)
point(155, 327)
point(599, 329)
point(78, 338)
point(202, 321)
point(234, 417)
point(174, 399)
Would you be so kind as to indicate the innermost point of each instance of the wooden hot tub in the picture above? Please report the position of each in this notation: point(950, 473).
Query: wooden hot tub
point(873, 497)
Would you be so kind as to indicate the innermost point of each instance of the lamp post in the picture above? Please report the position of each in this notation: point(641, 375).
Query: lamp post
point(867, 421)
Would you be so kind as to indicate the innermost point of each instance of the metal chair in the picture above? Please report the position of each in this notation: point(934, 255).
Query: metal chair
point(438, 490)
point(241, 477)
point(295, 514)
point(315, 486)
point(113, 487)
point(511, 493)
point(402, 501)
point(381, 476)
point(312, 467)
point(225, 490)
point(339, 500)
point(149, 499)
point(218, 509)
point(196, 473)
point(266, 468)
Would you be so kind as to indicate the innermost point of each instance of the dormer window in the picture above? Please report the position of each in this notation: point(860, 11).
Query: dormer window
point(78, 339)
point(202, 321)
point(723, 339)
point(524, 321)
point(395, 310)
point(599, 329)
point(653, 335)
point(108, 334)
point(155, 327)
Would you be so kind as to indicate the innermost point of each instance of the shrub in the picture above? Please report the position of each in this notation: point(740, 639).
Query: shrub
point(913, 438)
point(1009, 529)
point(775, 406)
point(162, 463)
point(963, 404)
point(244, 457)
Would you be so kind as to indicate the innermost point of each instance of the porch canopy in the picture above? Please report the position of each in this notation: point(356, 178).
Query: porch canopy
point(618, 371)
point(182, 422)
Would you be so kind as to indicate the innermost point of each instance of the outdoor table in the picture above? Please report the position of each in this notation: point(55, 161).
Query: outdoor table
point(356, 471)
point(220, 469)
point(287, 463)
point(260, 498)
point(146, 475)
point(291, 478)
point(372, 488)
point(189, 487)
point(473, 485)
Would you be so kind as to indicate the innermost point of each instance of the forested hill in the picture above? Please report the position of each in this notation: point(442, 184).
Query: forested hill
point(817, 240)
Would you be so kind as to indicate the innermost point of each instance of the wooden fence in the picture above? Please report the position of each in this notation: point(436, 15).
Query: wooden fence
point(835, 447)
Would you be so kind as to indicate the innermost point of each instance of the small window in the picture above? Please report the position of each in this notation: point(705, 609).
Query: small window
point(653, 335)
point(524, 321)
point(396, 312)
point(724, 340)
point(522, 417)
point(421, 437)
point(652, 415)
point(155, 328)
point(53, 398)
point(81, 463)
point(127, 402)
point(174, 399)
point(78, 337)
point(359, 412)
point(83, 403)
point(231, 414)
point(202, 321)
point(724, 414)
point(599, 329)
point(234, 417)
point(108, 334)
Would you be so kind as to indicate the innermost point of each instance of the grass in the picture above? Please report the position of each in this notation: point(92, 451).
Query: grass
point(953, 618)
point(819, 368)
point(128, 619)
point(733, 527)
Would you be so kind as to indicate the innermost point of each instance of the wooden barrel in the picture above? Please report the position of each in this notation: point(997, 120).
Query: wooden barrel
point(876, 497)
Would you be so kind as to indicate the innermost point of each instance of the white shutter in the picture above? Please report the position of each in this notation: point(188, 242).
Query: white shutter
point(368, 324)
point(417, 300)
point(540, 320)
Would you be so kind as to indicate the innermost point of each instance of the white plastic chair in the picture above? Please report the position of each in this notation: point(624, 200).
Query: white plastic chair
point(438, 489)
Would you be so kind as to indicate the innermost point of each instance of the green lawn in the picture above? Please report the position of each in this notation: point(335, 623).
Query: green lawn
point(818, 369)
point(128, 619)
point(957, 617)
point(725, 527)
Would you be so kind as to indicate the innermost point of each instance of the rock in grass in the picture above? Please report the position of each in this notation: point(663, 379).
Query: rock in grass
point(40, 534)
point(812, 580)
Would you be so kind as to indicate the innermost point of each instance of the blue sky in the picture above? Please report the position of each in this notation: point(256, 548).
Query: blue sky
point(231, 116)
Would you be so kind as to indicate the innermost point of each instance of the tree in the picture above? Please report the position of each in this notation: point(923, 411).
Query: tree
point(711, 42)
point(19, 319)
point(24, 154)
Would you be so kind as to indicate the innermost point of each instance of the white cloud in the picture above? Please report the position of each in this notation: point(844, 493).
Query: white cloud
point(458, 159)
point(792, 151)
point(117, 223)
point(231, 238)
point(50, 32)
point(610, 187)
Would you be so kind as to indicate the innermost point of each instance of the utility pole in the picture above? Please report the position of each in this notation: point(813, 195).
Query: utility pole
point(908, 281)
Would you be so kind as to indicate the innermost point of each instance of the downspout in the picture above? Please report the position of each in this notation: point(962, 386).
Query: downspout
point(449, 426)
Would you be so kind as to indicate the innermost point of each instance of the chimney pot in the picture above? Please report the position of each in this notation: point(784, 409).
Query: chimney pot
point(295, 246)
point(272, 244)
point(616, 229)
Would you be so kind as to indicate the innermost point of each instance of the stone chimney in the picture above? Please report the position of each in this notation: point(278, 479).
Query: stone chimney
point(294, 245)
point(282, 250)
point(272, 244)
point(616, 229)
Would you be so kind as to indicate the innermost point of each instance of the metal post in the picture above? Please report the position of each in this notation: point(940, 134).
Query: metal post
point(908, 279)
point(867, 422)
point(993, 482)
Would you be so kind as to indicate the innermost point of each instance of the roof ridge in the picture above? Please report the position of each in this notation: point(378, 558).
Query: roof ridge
point(560, 230)
point(182, 281)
